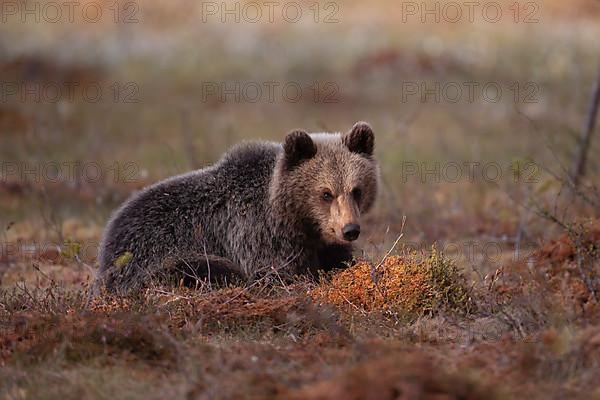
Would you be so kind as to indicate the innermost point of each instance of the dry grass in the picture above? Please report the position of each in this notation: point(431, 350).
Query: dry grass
point(340, 339)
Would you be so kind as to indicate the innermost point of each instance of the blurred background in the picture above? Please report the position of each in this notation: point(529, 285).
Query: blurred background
point(477, 109)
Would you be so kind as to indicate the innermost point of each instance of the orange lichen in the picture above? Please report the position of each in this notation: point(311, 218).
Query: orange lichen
point(408, 284)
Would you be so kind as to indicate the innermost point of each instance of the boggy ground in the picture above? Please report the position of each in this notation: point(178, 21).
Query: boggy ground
point(408, 326)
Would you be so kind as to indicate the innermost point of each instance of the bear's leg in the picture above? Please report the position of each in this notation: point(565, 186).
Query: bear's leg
point(334, 257)
point(210, 268)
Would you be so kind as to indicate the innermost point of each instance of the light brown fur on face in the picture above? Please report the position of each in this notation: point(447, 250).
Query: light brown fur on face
point(344, 210)
point(329, 181)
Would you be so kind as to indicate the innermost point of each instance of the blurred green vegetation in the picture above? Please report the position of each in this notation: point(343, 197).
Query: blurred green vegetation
point(365, 62)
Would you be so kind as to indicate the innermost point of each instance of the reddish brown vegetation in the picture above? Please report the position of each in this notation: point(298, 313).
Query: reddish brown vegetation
point(410, 375)
point(341, 339)
point(564, 269)
point(409, 285)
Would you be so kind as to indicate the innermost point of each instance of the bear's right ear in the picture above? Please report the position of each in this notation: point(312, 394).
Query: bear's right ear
point(298, 147)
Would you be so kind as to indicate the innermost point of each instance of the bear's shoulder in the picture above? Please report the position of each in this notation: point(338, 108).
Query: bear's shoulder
point(251, 154)
point(250, 162)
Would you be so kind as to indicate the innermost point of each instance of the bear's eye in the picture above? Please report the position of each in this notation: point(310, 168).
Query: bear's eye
point(327, 196)
point(356, 193)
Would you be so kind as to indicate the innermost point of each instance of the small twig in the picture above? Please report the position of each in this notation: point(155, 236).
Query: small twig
point(244, 290)
point(37, 268)
point(586, 278)
point(393, 245)
point(352, 304)
point(481, 277)
point(25, 291)
point(280, 279)
point(568, 181)
point(207, 264)
point(374, 270)
point(274, 271)
point(167, 293)
point(511, 321)
point(579, 163)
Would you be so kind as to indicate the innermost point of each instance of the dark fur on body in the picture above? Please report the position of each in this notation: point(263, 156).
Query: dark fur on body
point(259, 207)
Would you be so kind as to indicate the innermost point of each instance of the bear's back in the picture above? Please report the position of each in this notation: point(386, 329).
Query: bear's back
point(215, 200)
point(246, 170)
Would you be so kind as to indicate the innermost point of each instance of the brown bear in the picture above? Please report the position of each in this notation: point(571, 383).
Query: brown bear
point(293, 207)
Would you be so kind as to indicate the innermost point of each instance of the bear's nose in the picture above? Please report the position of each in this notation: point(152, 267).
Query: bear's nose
point(351, 231)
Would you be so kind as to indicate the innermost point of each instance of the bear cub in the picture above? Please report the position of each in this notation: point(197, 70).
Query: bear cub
point(294, 207)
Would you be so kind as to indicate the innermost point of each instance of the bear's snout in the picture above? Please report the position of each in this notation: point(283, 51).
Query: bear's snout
point(351, 232)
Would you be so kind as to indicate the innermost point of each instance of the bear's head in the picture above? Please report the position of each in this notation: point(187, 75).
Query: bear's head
point(325, 182)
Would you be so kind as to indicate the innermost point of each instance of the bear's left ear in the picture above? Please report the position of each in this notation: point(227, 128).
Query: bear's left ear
point(298, 147)
point(360, 139)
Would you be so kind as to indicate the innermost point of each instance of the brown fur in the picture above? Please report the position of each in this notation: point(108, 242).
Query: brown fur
point(263, 206)
point(350, 176)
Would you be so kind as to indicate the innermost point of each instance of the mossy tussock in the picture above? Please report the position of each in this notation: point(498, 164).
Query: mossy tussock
point(410, 284)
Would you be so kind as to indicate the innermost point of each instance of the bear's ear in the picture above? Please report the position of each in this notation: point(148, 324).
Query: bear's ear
point(360, 139)
point(298, 147)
